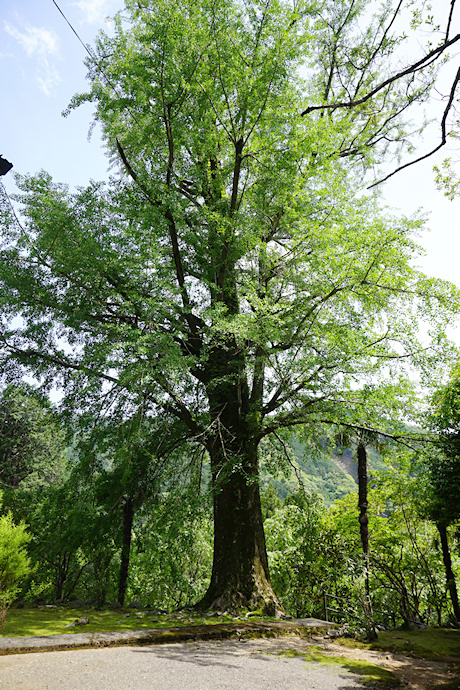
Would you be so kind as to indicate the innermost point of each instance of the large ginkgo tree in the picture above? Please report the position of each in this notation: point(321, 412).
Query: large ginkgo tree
point(234, 276)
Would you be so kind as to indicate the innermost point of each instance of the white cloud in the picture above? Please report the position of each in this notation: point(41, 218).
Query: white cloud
point(49, 80)
point(40, 44)
point(35, 40)
point(93, 10)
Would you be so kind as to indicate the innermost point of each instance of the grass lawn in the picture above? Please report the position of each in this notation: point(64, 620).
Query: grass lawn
point(53, 620)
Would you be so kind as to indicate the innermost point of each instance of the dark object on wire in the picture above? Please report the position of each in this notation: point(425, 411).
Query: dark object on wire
point(5, 166)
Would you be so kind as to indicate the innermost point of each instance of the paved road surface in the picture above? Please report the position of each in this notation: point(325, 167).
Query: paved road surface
point(219, 665)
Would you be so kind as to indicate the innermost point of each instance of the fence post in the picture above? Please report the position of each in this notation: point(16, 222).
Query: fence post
point(325, 605)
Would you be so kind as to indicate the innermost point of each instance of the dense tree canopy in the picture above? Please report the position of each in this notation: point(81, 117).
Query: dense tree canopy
point(442, 500)
point(32, 442)
point(234, 276)
point(444, 460)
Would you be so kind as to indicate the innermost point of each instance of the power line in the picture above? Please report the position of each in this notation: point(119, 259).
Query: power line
point(96, 63)
point(70, 25)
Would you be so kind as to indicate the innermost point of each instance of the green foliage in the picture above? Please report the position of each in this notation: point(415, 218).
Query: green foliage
point(14, 561)
point(295, 462)
point(330, 474)
point(406, 575)
point(73, 505)
point(447, 178)
point(32, 440)
point(172, 554)
point(313, 549)
point(300, 554)
point(322, 468)
point(270, 501)
point(237, 278)
point(34, 469)
point(443, 463)
point(61, 522)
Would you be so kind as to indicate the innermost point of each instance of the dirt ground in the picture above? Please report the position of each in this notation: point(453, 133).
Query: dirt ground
point(414, 673)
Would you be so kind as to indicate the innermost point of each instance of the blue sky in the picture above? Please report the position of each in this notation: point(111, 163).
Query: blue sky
point(41, 67)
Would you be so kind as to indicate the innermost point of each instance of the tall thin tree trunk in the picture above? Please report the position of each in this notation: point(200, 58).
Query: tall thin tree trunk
point(450, 576)
point(362, 505)
point(364, 533)
point(128, 516)
point(63, 571)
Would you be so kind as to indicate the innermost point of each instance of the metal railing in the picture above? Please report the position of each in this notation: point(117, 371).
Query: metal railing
point(347, 612)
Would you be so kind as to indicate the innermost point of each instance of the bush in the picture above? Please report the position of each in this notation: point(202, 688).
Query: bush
point(14, 561)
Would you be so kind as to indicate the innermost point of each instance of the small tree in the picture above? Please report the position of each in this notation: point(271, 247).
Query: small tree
point(126, 462)
point(172, 550)
point(60, 523)
point(300, 553)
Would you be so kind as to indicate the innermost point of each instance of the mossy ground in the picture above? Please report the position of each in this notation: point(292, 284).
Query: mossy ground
point(370, 674)
point(53, 620)
point(431, 643)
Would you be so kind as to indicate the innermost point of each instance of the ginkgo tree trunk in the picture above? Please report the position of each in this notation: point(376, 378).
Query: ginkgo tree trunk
point(234, 276)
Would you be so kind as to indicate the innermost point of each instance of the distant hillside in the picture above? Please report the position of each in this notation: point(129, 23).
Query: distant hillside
point(331, 474)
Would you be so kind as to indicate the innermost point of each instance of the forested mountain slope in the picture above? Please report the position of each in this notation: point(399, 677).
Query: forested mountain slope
point(332, 474)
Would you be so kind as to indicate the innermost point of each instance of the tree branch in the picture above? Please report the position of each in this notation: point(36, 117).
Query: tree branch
point(443, 135)
point(415, 67)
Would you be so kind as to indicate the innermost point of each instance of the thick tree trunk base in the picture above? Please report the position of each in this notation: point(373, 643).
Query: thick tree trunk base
point(242, 589)
point(235, 602)
point(257, 595)
point(240, 578)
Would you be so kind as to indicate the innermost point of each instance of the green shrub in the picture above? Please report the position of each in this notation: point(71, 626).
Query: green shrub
point(14, 561)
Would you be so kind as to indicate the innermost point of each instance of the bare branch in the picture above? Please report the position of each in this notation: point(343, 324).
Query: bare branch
point(443, 135)
point(449, 21)
point(134, 176)
point(415, 67)
point(57, 359)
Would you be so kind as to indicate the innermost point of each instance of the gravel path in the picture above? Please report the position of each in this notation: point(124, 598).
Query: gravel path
point(218, 665)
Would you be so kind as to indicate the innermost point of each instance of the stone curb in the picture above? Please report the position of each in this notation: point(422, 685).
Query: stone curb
point(217, 631)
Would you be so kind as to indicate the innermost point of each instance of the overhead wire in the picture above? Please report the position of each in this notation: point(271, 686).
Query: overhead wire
point(87, 49)
point(99, 67)
point(72, 28)
point(91, 53)
point(97, 64)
